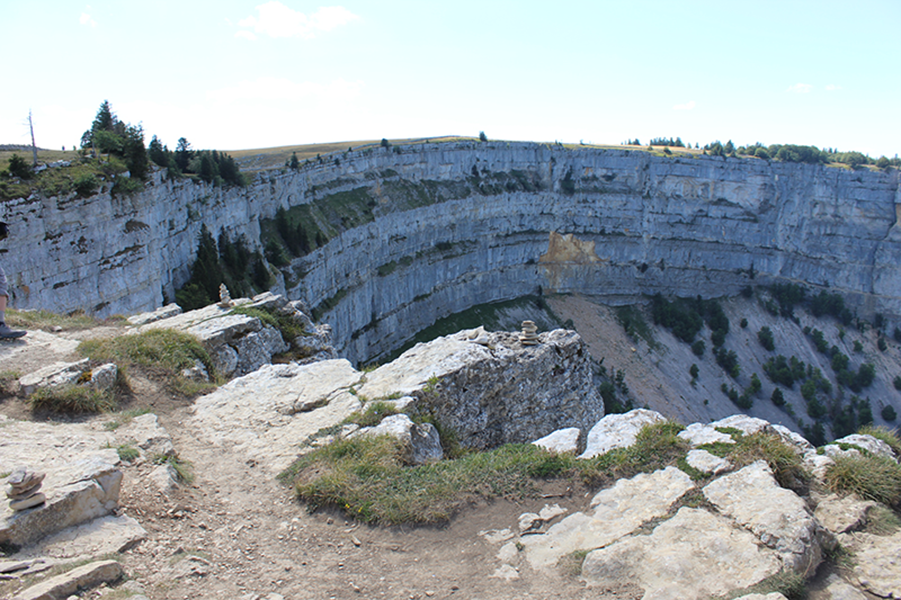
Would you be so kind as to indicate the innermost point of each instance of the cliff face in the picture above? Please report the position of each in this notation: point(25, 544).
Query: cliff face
point(419, 232)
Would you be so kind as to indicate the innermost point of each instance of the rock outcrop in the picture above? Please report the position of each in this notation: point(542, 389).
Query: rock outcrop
point(429, 230)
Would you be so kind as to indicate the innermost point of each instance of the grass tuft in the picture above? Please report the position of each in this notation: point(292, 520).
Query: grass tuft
point(882, 521)
point(870, 477)
point(42, 319)
point(781, 458)
point(184, 469)
point(656, 446)
point(127, 452)
point(162, 351)
point(72, 398)
point(880, 432)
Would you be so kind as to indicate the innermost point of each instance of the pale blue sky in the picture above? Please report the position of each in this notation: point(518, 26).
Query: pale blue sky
point(232, 74)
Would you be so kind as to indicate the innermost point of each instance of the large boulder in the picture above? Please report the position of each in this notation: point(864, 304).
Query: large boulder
point(618, 431)
point(491, 389)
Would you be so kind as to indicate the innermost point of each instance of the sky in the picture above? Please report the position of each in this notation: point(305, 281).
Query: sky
point(235, 74)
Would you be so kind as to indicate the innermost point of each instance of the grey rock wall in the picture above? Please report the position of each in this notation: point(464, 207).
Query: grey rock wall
point(446, 226)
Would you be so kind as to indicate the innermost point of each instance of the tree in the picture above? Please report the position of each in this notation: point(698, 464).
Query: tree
point(295, 164)
point(183, 154)
point(483, 137)
point(158, 153)
point(385, 143)
point(19, 168)
point(134, 152)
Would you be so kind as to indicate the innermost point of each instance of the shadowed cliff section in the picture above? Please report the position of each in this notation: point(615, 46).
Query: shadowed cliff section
point(411, 234)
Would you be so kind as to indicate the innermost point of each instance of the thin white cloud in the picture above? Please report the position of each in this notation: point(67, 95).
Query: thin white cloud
point(247, 35)
point(279, 21)
point(800, 88)
point(274, 88)
point(687, 106)
point(85, 19)
point(832, 87)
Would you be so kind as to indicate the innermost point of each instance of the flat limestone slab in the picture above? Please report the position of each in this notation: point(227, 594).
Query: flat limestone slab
point(617, 512)
point(265, 415)
point(695, 554)
point(62, 586)
point(777, 516)
point(878, 563)
point(100, 537)
point(82, 480)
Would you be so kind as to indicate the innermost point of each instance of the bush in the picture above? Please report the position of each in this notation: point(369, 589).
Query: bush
point(765, 337)
point(19, 168)
point(743, 323)
point(85, 185)
point(698, 348)
point(777, 398)
point(888, 413)
point(693, 371)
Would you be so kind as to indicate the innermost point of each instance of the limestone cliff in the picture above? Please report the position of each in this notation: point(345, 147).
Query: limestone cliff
point(419, 232)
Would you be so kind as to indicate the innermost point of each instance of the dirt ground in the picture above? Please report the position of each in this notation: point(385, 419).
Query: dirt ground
point(236, 532)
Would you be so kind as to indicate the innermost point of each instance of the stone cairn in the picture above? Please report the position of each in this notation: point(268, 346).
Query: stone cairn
point(225, 298)
point(529, 335)
point(24, 489)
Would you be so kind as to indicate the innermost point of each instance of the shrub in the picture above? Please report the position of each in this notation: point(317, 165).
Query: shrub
point(698, 348)
point(85, 185)
point(777, 398)
point(765, 337)
point(693, 371)
point(888, 413)
point(19, 168)
point(743, 324)
point(870, 477)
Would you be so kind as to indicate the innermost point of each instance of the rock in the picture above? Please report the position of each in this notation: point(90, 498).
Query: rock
point(82, 482)
point(94, 539)
point(562, 440)
point(508, 553)
point(841, 515)
point(529, 335)
point(877, 562)
point(147, 434)
point(614, 513)
point(58, 373)
point(770, 596)
point(84, 577)
point(497, 536)
point(529, 523)
point(839, 589)
point(618, 431)
point(692, 555)
point(776, 515)
point(706, 462)
point(701, 433)
point(254, 416)
point(104, 377)
point(747, 425)
point(550, 512)
point(164, 478)
point(165, 312)
point(506, 572)
point(28, 502)
point(491, 395)
point(865, 442)
point(420, 439)
point(796, 440)
point(190, 566)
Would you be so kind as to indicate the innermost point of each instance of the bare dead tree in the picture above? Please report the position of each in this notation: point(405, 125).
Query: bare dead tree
point(34, 148)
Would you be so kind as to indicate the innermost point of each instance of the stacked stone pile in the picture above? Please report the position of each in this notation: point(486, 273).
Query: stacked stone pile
point(24, 489)
point(529, 335)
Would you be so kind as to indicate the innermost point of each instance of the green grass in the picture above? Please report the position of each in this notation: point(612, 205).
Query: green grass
point(368, 479)
point(882, 521)
point(71, 398)
point(42, 319)
point(127, 452)
point(163, 352)
point(781, 458)
point(373, 415)
point(57, 181)
point(184, 469)
point(124, 418)
point(870, 477)
point(286, 324)
point(786, 582)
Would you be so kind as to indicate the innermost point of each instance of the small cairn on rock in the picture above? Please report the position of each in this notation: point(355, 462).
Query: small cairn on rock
point(225, 298)
point(24, 489)
point(529, 335)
